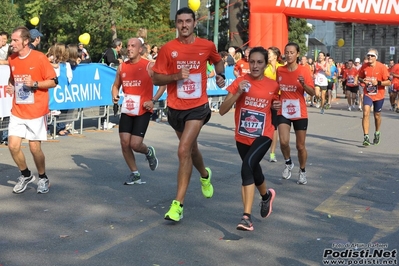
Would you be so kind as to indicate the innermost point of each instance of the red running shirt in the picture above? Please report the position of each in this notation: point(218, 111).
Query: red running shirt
point(32, 104)
point(253, 117)
point(378, 72)
point(189, 93)
point(293, 105)
point(242, 66)
point(350, 75)
point(137, 86)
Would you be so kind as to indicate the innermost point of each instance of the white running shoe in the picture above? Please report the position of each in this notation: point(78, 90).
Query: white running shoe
point(287, 171)
point(302, 178)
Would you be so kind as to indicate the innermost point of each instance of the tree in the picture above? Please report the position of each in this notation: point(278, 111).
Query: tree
point(297, 31)
point(9, 18)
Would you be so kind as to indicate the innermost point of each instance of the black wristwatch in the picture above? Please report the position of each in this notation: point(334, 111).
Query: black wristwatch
point(153, 101)
point(35, 85)
point(379, 83)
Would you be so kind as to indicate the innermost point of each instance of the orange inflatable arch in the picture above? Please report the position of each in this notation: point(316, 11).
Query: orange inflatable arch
point(268, 23)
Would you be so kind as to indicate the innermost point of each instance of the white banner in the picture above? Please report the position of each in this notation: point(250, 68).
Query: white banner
point(5, 99)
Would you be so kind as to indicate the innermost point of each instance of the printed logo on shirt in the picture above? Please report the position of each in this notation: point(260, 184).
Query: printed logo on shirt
point(174, 54)
point(188, 64)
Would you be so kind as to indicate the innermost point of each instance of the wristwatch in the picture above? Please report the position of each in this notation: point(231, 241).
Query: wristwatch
point(222, 75)
point(35, 85)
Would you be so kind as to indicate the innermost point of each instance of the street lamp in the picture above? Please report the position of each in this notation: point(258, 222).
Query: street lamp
point(208, 5)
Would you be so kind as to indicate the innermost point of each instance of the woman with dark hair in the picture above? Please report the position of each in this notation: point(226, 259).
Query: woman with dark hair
point(294, 80)
point(254, 94)
point(275, 62)
point(154, 52)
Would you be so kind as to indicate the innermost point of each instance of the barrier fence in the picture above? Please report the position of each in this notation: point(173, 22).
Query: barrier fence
point(88, 94)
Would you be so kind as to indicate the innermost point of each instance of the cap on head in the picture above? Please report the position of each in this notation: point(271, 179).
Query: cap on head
point(357, 60)
point(34, 33)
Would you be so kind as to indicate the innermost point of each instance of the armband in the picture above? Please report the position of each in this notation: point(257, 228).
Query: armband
point(379, 83)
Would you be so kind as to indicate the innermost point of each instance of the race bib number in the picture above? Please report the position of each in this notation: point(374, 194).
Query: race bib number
point(23, 94)
point(190, 88)
point(291, 108)
point(371, 89)
point(321, 79)
point(251, 123)
point(131, 104)
point(351, 80)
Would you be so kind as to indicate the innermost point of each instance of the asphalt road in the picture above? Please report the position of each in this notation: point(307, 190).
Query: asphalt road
point(90, 218)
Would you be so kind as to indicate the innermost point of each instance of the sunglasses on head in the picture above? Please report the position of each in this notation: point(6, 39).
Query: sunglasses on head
point(371, 55)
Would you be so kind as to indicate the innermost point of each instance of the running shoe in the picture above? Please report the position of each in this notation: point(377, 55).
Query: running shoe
point(272, 158)
point(175, 212)
point(266, 205)
point(366, 141)
point(206, 186)
point(151, 158)
point(377, 136)
point(302, 178)
point(349, 108)
point(22, 183)
point(360, 109)
point(317, 104)
point(133, 178)
point(287, 171)
point(43, 186)
point(322, 111)
point(245, 224)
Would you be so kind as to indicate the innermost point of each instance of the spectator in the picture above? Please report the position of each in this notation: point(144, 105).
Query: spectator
point(112, 56)
point(4, 48)
point(230, 59)
point(85, 53)
point(154, 52)
point(35, 38)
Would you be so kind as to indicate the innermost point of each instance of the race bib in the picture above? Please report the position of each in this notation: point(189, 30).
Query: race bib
point(131, 104)
point(321, 79)
point(350, 81)
point(190, 88)
point(23, 94)
point(251, 123)
point(371, 89)
point(291, 108)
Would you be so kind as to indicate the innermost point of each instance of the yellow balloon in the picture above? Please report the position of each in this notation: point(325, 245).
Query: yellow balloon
point(84, 38)
point(34, 21)
point(194, 4)
point(341, 42)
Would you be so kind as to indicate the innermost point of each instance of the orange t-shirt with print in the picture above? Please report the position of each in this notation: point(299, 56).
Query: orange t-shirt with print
point(253, 117)
point(30, 104)
point(191, 92)
point(242, 66)
point(137, 87)
point(293, 105)
point(378, 72)
point(350, 74)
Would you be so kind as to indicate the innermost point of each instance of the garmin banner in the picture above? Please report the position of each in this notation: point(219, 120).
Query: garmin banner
point(90, 86)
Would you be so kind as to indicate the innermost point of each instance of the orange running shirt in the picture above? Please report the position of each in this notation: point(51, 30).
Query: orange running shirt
point(378, 72)
point(242, 66)
point(137, 87)
point(293, 105)
point(350, 75)
point(253, 117)
point(39, 68)
point(189, 93)
point(395, 80)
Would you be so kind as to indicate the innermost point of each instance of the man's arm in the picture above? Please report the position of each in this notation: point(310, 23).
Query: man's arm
point(116, 86)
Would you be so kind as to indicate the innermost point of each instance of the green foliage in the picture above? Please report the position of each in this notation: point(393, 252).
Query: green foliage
point(9, 18)
point(297, 29)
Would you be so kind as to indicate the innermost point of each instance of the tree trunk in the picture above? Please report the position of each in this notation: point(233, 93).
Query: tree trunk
point(235, 10)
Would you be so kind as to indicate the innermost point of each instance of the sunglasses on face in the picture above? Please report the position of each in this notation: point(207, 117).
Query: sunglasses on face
point(371, 55)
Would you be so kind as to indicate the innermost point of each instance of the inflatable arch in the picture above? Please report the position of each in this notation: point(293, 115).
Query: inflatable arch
point(268, 23)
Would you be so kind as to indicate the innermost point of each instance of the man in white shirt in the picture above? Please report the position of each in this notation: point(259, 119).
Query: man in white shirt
point(3, 48)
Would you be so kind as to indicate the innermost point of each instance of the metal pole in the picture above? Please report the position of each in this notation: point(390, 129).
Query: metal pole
point(353, 38)
point(216, 25)
point(208, 4)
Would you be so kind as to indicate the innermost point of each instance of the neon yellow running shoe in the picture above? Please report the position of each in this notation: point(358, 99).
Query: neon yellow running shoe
point(206, 186)
point(175, 212)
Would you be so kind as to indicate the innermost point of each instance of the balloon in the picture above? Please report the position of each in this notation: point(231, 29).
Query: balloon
point(194, 4)
point(84, 38)
point(34, 21)
point(341, 42)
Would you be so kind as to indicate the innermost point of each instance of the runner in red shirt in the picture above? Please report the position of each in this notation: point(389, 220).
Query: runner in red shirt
point(375, 76)
point(134, 77)
point(254, 95)
point(395, 84)
point(350, 75)
point(181, 65)
point(294, 81)
point(242, 66)
point(31, 77)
